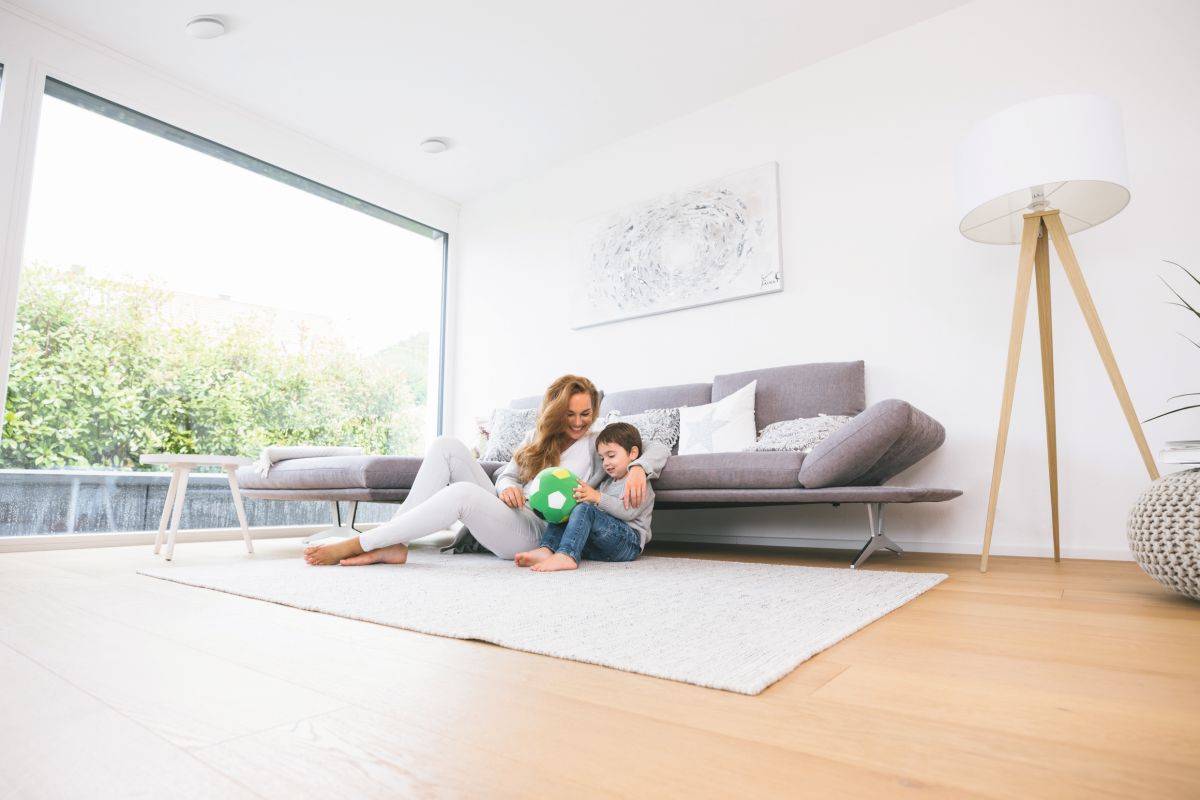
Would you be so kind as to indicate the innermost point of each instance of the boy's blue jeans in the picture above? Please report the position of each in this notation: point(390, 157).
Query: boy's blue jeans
point(592, 534)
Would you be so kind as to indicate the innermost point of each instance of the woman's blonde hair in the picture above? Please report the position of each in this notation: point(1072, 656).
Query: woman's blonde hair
point(547, 445)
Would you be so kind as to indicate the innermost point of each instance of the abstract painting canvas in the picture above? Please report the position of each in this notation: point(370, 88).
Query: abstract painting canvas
point(707, 244)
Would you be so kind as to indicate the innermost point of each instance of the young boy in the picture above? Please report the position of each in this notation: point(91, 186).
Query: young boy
point(600, 527)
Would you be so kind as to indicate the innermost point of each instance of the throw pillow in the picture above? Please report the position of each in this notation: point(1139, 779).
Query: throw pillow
point(482, 426)
point(508, 428)
point(801, 435)
point(725, 426)
point(654, 424)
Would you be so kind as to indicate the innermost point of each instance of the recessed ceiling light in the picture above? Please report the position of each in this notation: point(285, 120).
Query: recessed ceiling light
point(434, 145)
point(205, 27)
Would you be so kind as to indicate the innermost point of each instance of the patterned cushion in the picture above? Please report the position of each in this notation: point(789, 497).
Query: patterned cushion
point(508, 428)
point(655, 424)
point(800, 435)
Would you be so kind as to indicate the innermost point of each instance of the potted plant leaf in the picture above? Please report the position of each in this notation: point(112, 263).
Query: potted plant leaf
point(1182, 303)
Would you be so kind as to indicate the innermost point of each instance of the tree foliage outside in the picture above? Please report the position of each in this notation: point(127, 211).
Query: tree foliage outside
point(101, 373)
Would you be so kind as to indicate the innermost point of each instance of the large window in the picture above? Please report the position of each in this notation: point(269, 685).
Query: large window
point(179, 296)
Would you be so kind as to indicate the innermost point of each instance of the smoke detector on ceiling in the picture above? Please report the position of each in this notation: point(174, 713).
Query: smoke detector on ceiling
point(435, 145)
point(205, 27)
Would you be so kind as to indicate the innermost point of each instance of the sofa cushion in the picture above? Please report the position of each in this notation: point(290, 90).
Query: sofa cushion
point(490, 467)
point(922, 435)
point(335, 472)
point(653, 425)
point(741, 498)
point(506, 430)
point(731, 471)
point(635, 401)
point(798, 434)
point(800, 390)
point(875, 445)
point(726, 426)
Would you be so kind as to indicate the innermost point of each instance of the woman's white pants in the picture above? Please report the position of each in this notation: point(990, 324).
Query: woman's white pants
point(449, 487)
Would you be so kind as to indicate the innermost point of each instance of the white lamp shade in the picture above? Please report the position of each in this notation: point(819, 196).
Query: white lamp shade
point(1069, 147)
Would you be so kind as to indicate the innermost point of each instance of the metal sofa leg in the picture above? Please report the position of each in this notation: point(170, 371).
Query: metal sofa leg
point(338, 528)
point(878, 539)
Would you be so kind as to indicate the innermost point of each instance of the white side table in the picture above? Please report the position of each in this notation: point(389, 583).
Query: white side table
point(181, 464)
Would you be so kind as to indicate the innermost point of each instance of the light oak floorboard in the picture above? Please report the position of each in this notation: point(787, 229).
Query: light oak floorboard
point(1037, 679)
point(368, 755)
point(185, 694)
point(58, 741)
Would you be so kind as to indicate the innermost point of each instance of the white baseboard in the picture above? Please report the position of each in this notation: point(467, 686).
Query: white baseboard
point(923, 546)
point(52, 541)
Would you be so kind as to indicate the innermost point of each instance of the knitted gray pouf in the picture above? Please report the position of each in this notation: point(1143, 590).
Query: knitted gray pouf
point(1164, 532)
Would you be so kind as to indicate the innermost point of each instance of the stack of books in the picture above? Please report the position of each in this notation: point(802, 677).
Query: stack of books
point(1183, 452)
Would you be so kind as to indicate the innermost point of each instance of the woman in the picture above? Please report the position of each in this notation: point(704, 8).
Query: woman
point(452, 487)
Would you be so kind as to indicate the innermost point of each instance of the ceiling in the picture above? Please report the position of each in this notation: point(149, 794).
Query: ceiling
point(516, 86)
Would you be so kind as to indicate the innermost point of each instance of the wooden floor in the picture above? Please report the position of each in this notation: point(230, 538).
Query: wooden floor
point(1080, 679)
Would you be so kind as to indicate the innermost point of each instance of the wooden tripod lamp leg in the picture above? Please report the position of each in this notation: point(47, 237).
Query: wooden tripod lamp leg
point(1029, 238)
point(1041, 267)
point(1066, 254)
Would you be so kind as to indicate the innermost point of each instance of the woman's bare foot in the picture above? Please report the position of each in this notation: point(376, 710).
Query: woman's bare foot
point(392, 554)
point(332, 553)
point(555, 563)
point(531, 557)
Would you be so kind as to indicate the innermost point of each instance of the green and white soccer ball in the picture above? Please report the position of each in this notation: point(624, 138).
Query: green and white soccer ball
point(552, 496)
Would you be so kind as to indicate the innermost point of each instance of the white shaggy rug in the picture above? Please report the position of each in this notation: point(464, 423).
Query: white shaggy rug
point(721, 624)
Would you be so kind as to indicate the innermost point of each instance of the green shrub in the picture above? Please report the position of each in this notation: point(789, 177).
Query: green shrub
point(101, 372)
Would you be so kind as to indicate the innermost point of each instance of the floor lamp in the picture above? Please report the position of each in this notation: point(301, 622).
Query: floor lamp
point(1032, 175)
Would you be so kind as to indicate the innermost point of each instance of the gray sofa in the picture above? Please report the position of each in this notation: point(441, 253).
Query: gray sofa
point(851, 466)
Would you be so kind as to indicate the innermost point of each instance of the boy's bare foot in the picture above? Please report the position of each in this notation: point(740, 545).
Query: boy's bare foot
point(555, 563)
point(392, 554)
point(332, 553)
point(531, 557)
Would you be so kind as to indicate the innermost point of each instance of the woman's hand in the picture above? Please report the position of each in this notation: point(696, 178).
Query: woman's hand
point(513, 497)
point(635, 487)
point(586, 494)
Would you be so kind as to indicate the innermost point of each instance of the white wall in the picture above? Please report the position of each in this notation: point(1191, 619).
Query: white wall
point(31, 49)
point(874, 267)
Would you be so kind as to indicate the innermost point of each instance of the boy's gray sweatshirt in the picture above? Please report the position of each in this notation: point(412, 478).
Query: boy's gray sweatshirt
point(638, 518)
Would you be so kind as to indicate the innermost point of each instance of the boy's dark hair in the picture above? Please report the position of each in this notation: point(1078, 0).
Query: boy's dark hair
point(622, 434)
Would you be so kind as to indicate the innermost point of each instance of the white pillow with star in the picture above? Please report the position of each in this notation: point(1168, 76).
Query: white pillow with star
point(725, 426)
